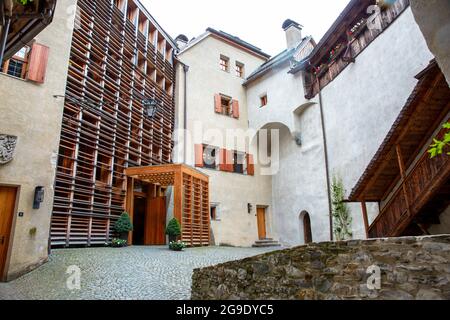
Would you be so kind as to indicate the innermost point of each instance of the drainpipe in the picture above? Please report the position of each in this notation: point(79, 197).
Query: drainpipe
point(327, 169)
point(185, 69)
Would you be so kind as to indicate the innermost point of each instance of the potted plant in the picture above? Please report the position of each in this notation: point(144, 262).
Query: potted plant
point(123, 226)
point(177, 246)
point(173, 230)
point(119, 243)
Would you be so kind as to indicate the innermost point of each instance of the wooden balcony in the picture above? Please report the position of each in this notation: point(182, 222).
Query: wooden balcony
point(346, 40)
point(411, 188)
point(418, 188)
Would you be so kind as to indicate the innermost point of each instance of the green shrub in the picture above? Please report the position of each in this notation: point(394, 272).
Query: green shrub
point(123, 225)
point(342, 220)
point(177, 246)
point(440, 146)
point(173, 228)
point(118, 243)
point(24, 2)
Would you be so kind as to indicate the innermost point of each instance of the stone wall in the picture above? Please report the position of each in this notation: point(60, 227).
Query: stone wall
point(410, 268)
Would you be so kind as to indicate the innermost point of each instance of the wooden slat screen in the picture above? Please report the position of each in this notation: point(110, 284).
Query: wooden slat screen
point(111, 63)
point(196, 220)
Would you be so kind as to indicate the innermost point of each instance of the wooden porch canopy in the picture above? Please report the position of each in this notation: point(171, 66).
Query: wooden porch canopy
point(401, 176)
point(191, 197)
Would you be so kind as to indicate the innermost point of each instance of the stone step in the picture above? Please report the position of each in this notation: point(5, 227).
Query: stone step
point(266, 243)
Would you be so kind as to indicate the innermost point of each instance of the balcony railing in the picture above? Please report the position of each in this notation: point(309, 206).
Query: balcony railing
point(418, 188)
point(344, 52)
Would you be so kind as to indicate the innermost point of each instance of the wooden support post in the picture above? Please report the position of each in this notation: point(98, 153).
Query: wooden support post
point(365, 217)
point(130, 204)
point(401, 165)
point(178, 196)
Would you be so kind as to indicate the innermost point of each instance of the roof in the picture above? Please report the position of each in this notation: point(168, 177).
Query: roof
point(339, 27)
point(425, 109)
point(288, 23)
point(229, 38)
point(142, 7)
point(282, 57)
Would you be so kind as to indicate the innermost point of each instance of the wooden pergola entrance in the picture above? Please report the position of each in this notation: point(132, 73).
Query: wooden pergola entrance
point(190, 202)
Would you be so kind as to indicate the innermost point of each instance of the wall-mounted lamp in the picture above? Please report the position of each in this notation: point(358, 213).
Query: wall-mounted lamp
point(38, 197)
point(249, 208)
point(150, 107)
point(298, 139)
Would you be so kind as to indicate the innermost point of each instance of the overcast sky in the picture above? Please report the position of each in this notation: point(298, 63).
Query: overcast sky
point(256, 21)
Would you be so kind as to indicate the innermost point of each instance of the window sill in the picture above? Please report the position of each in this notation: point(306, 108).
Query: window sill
point(217, 170)
point(13, 77)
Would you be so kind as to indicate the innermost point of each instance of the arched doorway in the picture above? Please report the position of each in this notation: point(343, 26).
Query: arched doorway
point(305, 224)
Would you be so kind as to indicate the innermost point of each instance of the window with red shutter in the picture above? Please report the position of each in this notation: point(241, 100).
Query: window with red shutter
point(250, 165)
point(235, 109)
point(218, 103)
point(37, 65)
point(223, 160)
point(199, 156)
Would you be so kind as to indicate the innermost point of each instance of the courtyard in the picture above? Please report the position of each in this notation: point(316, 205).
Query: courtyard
point(133, 273)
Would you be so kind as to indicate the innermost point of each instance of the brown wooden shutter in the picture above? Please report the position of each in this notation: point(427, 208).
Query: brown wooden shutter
point(230, 161)
point(223, 160)
point(37, 65)
point(250, 165)
point(199, 155)
point(218, 103)
point(235, 109)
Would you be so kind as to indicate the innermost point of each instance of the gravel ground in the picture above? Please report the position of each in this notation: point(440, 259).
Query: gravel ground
point(137, 273)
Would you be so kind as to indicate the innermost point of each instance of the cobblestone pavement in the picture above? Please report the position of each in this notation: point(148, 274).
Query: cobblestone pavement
point(141, 273)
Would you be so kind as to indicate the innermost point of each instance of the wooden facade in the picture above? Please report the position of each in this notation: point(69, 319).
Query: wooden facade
point(411, 188)
point(346, 39)
point(190, 201)
point(119, 57)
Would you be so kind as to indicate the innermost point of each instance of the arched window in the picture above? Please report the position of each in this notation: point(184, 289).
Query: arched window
point(305, 222)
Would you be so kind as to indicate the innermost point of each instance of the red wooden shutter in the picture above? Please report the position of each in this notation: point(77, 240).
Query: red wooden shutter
point(37, 65)
point(230, 161)
point(218, 103)
point(235, 109)
point(223, 160)
point(250, 165)
point(199, 155)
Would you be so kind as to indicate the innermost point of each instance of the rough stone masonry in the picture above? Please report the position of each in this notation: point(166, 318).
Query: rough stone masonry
point(407, 269)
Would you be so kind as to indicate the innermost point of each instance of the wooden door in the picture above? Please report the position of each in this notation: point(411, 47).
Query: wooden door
point(7, 205)
point(307, 232)
point(155, 222)
point(262, 223)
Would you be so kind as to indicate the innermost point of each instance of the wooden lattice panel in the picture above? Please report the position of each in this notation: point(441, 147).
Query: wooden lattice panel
point(195, 219)
point(163, 179)
point(112, 62)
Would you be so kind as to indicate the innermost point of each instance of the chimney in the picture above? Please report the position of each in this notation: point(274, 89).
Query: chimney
point(181, 41)
point(293, 33)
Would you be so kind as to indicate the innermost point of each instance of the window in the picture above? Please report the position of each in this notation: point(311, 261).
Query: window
point(224, 63)
point(103, 169)
point(238, 162)
point(214, 212)
point(210, 154)
point(17, 65)
point(239, 69)
point(263, 100)
point(225, 103)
